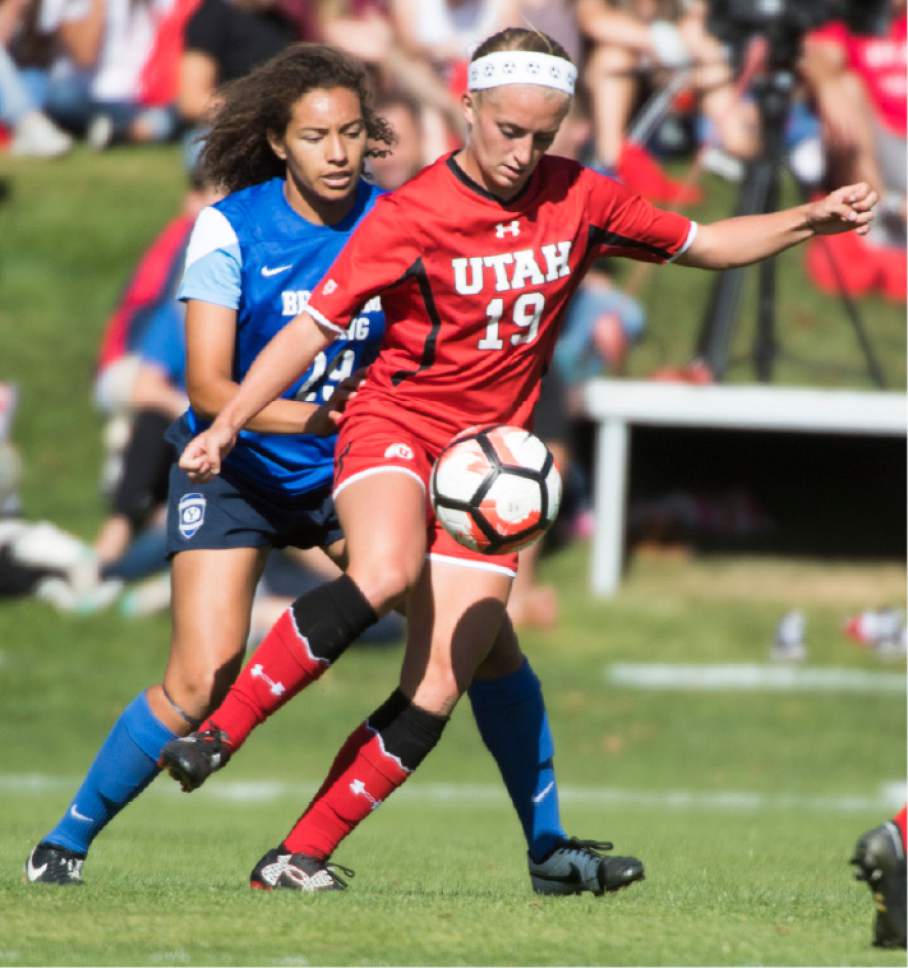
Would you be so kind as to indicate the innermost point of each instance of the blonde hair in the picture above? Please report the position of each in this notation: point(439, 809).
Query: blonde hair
point(519, 38)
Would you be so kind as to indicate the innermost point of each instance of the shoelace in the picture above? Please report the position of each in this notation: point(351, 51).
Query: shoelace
point(333, 868)
point(590, 846)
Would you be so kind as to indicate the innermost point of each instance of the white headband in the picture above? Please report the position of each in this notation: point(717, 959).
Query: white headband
point(522, 67)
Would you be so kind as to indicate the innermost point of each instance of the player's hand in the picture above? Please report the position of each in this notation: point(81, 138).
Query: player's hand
point(202, 456)
point(844, 210)
point(325, 420)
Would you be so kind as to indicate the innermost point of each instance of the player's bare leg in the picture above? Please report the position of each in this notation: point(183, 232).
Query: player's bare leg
point(455, 613)
point(453, 616)
point(383, 517)
point(212, 592)
point(320, 624)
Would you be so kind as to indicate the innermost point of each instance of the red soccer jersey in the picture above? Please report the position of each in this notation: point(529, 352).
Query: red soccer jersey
point(473, 287)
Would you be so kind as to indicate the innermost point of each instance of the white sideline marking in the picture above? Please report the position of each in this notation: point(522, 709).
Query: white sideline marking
point(741, 677)
point(890, 796)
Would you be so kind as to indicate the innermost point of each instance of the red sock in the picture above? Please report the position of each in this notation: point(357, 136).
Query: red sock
point(899, 821)
point(280, 667)
point(362, 776)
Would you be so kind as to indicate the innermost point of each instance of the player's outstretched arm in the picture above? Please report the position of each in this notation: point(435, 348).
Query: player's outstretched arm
point(749, 238)
point(288, 354)
point(210, 346)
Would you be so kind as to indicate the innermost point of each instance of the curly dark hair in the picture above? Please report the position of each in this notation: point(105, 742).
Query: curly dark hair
point(236, 152)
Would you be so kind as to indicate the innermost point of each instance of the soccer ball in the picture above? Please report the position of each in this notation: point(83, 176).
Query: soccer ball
point(495, 489)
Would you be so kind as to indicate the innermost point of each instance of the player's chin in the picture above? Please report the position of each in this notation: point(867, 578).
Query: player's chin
point(510, 180)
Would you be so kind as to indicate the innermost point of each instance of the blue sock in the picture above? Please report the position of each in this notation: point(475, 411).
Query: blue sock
point(510, 713)
point(124, 766)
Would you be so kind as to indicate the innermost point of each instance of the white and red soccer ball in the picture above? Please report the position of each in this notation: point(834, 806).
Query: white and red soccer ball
point(495, 489)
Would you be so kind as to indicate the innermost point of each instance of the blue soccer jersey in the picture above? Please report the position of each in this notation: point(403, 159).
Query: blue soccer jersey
point(253, 253)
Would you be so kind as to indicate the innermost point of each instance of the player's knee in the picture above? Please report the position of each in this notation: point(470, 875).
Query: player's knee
point(199, 691)
point(385, 582)
point(441, 687)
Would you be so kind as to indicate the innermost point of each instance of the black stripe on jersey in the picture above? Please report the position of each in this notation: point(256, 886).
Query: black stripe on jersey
point(417, 271)
point(600, 236)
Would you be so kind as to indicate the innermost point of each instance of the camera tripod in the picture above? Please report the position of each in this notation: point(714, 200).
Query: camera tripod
point(760, 192)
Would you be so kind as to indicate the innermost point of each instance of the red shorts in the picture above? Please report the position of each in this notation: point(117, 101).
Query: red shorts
point(368, 445)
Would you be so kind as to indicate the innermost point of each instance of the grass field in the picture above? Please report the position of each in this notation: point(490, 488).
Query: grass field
point(744, 805)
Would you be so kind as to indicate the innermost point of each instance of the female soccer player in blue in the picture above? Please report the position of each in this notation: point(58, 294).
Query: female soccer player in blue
point(288, 142)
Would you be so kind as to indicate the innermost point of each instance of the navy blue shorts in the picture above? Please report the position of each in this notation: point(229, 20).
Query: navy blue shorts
point(225, 514)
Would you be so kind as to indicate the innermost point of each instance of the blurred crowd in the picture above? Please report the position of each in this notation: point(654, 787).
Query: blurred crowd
point(148, 70)
point(660, 80)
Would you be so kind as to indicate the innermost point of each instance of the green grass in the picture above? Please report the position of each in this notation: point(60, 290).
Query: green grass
point(444, 882)
point(438, 881)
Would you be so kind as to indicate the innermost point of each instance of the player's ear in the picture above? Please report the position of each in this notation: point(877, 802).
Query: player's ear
point(277, 145)
point(469, 103)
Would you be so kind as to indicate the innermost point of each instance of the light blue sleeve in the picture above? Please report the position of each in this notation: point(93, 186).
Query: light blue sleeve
point(214, 262)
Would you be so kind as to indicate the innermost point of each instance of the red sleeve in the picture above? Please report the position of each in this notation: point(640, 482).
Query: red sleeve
point(625, 224)
point(378, 255)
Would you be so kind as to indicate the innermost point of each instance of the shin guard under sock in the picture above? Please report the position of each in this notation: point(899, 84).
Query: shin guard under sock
point(375, 760)
point(125, 764)
point(300, 646)
point(511, 716)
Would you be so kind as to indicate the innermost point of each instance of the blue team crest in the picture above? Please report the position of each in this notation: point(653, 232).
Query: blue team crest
point(191, 514)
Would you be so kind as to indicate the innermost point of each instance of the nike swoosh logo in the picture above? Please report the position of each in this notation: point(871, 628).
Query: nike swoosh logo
point(267, 272)
point(572, 878)
point(34, 873)
point(73, 812)
point(544, 793)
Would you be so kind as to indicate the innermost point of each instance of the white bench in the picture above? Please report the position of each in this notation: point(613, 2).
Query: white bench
point(615, 404)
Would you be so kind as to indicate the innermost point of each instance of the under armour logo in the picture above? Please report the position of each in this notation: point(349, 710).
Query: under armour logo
point(358, 788)
point(501, 229)
point(258, 672)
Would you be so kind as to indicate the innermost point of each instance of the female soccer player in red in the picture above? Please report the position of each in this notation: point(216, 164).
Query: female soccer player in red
point(288, 141)
point(474, 259)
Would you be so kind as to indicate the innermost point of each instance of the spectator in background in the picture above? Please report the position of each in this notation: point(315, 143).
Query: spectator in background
point(141, 383)
point(442, 34)
point(33, 133)
point(860, 85)
point(556, 19)
point(634, 39)
point(96, 85)
point(225, 39)
point(365, 30)
point(405, 159)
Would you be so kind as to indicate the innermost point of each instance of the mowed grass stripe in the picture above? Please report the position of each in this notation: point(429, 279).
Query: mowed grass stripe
point(748, 676)
point(889, 797)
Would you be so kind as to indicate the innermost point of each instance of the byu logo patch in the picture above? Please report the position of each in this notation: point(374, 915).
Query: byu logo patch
point(191, 514)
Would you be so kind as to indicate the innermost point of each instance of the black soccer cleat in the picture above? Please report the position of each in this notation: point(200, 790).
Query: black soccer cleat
point(279, 869)
point(581, 865)
point(50, 864)
point(879, 859)
point(191, 759)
